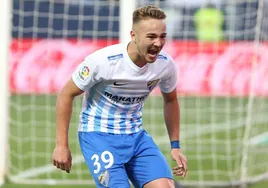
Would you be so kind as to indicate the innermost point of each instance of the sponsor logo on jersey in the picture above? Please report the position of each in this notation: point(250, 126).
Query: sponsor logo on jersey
point(119, 84)
point(152, 84)
point(161, 57)
point(125, 100)
point(114, 57)
point(104, 178)
point(84, 72)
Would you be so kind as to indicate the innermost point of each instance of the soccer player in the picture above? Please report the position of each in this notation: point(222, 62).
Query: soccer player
point(117, 80)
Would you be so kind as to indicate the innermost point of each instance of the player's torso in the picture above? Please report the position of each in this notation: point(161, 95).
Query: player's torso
point(115, 104)
point(127, 85)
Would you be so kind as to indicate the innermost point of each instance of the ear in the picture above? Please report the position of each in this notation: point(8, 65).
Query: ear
point(133, 36)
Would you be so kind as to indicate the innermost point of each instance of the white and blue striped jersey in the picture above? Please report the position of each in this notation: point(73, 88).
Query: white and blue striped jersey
point(115, 88)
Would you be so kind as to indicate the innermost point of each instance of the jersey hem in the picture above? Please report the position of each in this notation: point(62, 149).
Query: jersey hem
point(116, 132)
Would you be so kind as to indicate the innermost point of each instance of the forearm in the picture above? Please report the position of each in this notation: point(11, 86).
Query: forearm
point(172, 119)
point(63, 117)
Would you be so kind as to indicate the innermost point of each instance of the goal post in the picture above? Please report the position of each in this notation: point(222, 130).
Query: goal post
point(246, 136)
point(125, 24)
point(5, 20)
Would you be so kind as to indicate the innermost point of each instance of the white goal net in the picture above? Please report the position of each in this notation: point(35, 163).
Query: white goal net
point(222, 85)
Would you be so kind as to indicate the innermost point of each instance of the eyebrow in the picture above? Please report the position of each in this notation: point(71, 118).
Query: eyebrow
point(156, 34)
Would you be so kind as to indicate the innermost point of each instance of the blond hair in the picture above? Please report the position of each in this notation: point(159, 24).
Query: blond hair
point(148, 11)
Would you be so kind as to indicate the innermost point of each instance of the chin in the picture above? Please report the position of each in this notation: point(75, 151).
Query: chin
point(150, 60)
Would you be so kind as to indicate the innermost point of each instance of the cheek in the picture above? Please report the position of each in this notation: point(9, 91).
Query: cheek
point(143, 46)
point(163, 41)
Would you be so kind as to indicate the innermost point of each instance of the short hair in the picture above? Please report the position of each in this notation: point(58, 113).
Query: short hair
point(148, 11)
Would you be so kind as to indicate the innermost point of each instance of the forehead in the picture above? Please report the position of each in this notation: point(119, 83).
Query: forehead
point(152, 26)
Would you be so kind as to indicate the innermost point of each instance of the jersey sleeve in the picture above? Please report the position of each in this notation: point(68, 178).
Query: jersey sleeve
point(87, 74)
point(169, 82)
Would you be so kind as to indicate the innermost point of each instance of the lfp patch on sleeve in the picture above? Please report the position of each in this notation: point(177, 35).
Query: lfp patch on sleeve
point(84, 72)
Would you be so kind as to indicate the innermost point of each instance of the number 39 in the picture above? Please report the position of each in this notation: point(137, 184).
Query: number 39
point(106, 157)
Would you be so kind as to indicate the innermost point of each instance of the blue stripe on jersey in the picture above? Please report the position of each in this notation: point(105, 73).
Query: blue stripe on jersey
point(111, 114)
point(98, 115)
point(133, 122)
point(133, 129)
point(85, 114)
point(123, 118)
point(139, 119)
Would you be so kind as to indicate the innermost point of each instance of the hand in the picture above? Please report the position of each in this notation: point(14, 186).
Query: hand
point(62, 158)
point(181, 168)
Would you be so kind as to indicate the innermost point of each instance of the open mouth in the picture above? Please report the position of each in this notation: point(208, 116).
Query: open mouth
point(152, 53)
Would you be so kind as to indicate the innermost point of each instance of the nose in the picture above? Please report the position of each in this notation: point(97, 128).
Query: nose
point(157, 42)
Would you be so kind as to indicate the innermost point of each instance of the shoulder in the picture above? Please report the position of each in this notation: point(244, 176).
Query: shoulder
point(163, 62)
point(164, 58)
point(109, 53)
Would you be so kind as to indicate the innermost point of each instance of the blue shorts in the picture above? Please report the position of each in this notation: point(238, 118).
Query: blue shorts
point(115, 159)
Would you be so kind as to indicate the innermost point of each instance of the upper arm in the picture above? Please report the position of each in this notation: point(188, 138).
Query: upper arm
point(70, 89)
point(169, 97)
point(169, 81)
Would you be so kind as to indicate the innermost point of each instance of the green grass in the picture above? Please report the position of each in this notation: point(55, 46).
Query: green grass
point(212, 131)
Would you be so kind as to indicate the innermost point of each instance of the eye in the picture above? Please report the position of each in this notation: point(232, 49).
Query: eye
point(151, 37)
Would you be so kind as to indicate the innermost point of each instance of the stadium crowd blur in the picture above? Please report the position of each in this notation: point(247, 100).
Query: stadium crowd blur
point(187, 19)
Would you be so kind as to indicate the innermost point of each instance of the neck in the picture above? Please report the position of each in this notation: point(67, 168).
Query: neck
point(134, 55)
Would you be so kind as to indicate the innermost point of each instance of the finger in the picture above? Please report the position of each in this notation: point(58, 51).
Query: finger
point(68, 166)
point(184, 174)
point(62, 166)
point(185, 167)
point(68, 169)
point(54, 163)
point(181, 172)
point(177, 174)
point(178, 171)
point(179, 163)
point(183, 162)
point(58, 165)
point(177, 168)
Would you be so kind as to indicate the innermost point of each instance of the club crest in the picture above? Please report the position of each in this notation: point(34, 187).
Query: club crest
point(104, 178)
point(151, 84)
